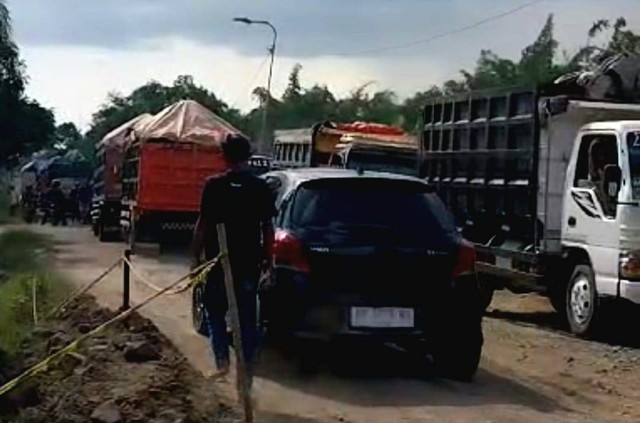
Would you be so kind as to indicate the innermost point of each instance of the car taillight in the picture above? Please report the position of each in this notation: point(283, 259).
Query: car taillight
point(466, 260)
point(288, 252)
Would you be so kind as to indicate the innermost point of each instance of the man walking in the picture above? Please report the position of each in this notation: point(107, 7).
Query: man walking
point(243, 203)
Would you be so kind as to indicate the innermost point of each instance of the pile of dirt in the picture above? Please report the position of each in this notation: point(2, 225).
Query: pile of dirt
point(128, 373)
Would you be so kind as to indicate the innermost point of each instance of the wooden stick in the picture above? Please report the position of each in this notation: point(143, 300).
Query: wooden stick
point(241, 373)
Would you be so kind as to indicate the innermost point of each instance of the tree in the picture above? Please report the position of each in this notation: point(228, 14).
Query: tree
point(25, 126)
point(621, 40)
point(293, 90)
point(34, 129)
point(67, 136)
point(537, 63)
point(151, 98)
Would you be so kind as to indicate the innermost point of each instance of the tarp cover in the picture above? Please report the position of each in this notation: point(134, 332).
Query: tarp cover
point(118, 137)
point(187, 122)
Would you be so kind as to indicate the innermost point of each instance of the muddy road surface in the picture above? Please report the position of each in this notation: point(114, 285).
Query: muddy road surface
point(530, 372)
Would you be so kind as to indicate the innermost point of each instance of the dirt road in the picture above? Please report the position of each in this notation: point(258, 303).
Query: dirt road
point(529, 373)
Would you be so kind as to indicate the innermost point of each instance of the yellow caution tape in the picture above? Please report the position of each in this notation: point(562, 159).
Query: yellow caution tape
point(146, 280)
point(84, 289)
point(200, 271)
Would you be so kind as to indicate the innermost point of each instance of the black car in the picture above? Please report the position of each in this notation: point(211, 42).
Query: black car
point(373, 256)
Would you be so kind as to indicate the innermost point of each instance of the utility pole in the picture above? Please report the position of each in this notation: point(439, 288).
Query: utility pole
point(264, 145)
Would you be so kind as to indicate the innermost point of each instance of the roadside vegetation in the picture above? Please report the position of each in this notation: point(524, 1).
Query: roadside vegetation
point(4, 206)
point(24, 271)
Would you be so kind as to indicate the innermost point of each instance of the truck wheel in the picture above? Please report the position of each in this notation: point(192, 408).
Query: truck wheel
point(198, 317)
point(103, 236)
point(582, 301)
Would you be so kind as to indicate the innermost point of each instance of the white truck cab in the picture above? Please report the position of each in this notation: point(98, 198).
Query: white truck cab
point(548, 190)
point(601, 217)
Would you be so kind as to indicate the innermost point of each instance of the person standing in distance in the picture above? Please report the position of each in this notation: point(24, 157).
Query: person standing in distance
point(244, 204)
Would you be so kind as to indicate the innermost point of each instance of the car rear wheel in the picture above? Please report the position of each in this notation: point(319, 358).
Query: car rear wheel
point(198, 317)
point(457, 352)
point(460, 358)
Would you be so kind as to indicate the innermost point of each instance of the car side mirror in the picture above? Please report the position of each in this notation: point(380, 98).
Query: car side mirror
point(612, 181)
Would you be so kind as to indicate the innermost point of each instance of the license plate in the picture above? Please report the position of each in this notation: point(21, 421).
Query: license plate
point(382, 317)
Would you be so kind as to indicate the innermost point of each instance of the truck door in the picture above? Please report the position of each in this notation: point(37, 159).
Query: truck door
point(588, 221)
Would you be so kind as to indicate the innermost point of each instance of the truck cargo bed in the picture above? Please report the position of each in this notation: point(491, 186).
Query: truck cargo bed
point(481, 153)
point(170, 176)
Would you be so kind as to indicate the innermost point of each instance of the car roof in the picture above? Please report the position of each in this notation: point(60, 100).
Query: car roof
point(301, 175)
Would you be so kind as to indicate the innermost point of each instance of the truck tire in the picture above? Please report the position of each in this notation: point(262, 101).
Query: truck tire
point(198, 317)
point(582, 305)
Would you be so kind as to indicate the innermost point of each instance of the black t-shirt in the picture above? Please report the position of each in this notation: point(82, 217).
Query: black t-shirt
point(242, 202)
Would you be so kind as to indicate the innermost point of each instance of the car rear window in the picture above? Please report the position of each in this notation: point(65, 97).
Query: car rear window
point(404, 208)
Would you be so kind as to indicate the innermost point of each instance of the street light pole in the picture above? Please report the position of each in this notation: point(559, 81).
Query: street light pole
point(264, 146)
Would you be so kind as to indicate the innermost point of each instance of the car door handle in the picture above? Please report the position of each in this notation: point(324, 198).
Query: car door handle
point(572, 221)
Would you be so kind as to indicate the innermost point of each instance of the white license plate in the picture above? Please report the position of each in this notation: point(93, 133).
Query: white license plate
point(382, 317)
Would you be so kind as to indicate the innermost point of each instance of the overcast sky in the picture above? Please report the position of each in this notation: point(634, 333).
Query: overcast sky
point(79, 50)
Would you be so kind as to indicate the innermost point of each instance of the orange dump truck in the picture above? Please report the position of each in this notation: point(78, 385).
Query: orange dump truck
point(167, 162)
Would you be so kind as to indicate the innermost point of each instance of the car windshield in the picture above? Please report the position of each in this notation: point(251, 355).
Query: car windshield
point(633, 146)
point(402, 209)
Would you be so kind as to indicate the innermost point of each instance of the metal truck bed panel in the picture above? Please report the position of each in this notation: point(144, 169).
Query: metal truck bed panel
point(171, 176)
point(480, 152)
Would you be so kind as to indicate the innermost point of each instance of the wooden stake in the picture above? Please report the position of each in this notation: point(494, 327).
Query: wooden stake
point(241, 373)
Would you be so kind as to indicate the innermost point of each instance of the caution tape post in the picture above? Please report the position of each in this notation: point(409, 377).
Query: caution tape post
point(242, 370)
point(126, 280)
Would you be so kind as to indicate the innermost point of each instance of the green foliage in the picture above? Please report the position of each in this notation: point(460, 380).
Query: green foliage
point(25, 126)
point(4, 205)
point(537, 65)
point(23, 257)
point(151, 98)
point(21, 250)
point(67, 137)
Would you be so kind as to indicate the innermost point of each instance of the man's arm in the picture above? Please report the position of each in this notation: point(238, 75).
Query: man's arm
point(197, 245)
point(199, 232)
point(268, 232)
point(268, 235)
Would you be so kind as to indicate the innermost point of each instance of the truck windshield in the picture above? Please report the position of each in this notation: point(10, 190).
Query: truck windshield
point(633, 145)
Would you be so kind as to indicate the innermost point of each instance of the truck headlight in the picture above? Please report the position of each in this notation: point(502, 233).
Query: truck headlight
point(630, 265)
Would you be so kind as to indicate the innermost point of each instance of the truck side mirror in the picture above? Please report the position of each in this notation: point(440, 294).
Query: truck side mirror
point(612, 181)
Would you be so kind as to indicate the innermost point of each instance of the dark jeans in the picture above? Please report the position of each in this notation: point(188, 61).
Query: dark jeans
point(215, 301)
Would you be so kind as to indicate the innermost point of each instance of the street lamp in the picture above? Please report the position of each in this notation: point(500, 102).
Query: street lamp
point(263, 146)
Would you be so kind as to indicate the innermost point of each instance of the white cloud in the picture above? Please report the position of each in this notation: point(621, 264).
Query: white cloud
point(75, 80)
point(96, 48)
